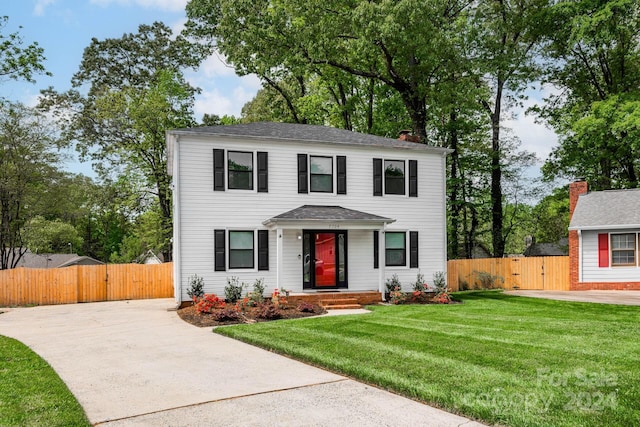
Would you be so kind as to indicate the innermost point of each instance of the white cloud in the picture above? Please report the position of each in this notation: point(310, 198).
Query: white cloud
point(226, 96)
point(40, 6)
point(168, 5)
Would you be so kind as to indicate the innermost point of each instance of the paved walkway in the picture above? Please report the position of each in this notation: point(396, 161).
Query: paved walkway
point(603, 297)
point(133, 363)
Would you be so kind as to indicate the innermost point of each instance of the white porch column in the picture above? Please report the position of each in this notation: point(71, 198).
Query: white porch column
point(381, 260)
point(279, 260)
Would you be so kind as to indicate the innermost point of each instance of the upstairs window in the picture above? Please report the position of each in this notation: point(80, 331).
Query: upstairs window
point(394, 177)
point(240, 169)
point(321, 174)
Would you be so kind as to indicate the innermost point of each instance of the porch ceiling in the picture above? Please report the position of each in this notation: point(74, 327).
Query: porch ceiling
point(326, 216)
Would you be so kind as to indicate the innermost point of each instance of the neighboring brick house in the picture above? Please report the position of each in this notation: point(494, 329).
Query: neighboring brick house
point(307, 208)
point(604, 238)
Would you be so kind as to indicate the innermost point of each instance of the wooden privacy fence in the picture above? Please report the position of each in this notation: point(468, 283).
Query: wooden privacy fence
point(85, 283)
point(549, 273)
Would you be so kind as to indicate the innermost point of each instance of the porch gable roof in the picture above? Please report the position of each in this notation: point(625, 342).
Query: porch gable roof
point(326, 215)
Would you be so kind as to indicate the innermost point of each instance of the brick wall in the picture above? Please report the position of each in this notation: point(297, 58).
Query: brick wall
point(576, 188)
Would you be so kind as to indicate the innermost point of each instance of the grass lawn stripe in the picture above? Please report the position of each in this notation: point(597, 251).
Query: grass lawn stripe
point(31, 393)
point(501, 359)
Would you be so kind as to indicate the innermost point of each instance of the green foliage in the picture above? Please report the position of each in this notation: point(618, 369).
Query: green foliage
point(257, 294)
point(16, 60)
point(233, 290)
point(28, 158)
point(196, 288)
point(419, 284)
point(593, 55)
point(439, 281)
point(393, 283)
point(44, 236)
point(487, 280)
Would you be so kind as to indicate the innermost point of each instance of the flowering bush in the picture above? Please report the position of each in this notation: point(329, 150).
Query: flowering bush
point(442, 297)
point(397, 296)
point(209, 303)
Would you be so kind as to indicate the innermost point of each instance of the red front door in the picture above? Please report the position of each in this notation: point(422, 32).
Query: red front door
point(325, 259)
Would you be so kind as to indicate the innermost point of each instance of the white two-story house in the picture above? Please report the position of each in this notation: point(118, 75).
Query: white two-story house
point(307, 208)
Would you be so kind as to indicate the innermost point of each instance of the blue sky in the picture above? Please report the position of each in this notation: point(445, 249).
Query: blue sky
point(65, 27)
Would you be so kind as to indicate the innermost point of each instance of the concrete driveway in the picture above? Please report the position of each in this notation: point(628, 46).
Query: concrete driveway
point(136, 363)
point(602, 297)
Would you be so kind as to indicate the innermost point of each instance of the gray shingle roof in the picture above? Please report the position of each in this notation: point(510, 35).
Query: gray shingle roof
point(305, 133)
point(326, 213)
point(612, 209)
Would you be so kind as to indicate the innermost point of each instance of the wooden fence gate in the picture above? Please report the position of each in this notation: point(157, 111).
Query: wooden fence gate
point(531, 273)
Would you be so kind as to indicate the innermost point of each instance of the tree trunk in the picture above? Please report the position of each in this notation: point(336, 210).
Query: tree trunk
point(496, 177)
point(454, 203)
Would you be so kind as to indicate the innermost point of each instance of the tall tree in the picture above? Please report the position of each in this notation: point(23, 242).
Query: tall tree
point(593, 57)
point(401, 44)
point(27, 159)
point(136, 92)
point(504, 34)
point(16, 60)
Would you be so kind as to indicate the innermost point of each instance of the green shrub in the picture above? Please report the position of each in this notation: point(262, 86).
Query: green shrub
point(196, 288)
point(419, 284)
point(393, 283)
point(488, 280)
point(257, 295)
point(233, 290)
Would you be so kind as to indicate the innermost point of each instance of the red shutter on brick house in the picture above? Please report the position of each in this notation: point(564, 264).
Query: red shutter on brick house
point(603, 250)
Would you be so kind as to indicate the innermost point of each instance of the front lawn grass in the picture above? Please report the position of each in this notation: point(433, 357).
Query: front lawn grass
point(497, 358)
point(31, 393)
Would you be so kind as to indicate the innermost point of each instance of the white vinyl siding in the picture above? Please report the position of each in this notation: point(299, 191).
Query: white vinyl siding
point(202, 210)
point(591, 272)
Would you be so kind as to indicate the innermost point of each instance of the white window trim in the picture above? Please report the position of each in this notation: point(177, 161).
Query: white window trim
point(406, 250)
point(255, 250)
point(635, 249)
point(254, 177)
point(334, 176)
point(406, 177)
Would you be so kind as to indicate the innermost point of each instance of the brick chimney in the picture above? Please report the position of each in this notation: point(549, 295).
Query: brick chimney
point(576, 188)
point(406, 135)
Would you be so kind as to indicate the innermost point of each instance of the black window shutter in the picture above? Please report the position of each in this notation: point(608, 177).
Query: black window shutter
point(376, 247)
point(218, 170)
point(220, 250)
point(263, 172)
point(341, 162)
point(377, 177)
point(263, 249)
point(302, 174)
point(413, 249)
point(413, 178)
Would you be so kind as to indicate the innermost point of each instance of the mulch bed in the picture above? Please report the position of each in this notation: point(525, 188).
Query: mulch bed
point(190, 315)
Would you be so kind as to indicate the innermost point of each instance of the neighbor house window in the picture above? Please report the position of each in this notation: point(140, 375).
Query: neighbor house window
point(240, 168)
point(395, 249)
point(623, 249)
point(394, 177)
point(321, 171)
point(241, 249)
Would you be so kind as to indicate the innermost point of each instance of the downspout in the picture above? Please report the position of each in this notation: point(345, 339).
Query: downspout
point(381, 261)
point(444, 217)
